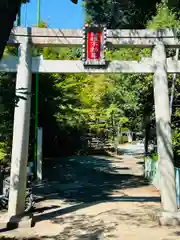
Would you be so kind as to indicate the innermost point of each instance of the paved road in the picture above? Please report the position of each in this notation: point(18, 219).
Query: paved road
point(131, 149)
point(91, 178)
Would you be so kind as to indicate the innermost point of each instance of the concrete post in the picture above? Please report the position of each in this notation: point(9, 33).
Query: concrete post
point(39, 154)
point(163, 131)
point(20, 132)
point(129, 137)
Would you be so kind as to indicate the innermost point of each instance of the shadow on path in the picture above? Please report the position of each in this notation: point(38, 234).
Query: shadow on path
point(86, 178)
point(71, 209)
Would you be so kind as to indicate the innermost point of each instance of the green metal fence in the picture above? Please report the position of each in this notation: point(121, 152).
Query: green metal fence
point(153, 175)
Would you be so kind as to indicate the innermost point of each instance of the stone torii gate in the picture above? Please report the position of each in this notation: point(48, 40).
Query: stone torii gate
point(25, 64)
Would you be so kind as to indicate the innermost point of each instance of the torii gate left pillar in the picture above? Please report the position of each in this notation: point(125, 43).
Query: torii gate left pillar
point(20, 144)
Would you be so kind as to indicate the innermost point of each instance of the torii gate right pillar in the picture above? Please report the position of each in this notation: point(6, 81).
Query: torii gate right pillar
point(169, 214)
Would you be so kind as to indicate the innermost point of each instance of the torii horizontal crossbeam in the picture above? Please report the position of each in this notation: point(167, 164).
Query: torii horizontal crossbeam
point(39, 65)
point(69, 37)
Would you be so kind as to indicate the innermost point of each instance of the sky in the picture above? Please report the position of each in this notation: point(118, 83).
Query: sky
point(57, 13)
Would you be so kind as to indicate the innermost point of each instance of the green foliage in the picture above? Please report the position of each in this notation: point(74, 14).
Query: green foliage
point(3, 153)
point(120, 14)
point(164, 18)
point(122, 139)
point(7, 99)
point(153, 156)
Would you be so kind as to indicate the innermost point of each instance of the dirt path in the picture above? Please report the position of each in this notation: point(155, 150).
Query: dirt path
point(102, 197)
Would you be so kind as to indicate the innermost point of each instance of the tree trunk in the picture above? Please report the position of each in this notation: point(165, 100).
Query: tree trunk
point(8, 12)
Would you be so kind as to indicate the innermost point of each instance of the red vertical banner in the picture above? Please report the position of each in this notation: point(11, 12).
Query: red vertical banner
point(94, 45)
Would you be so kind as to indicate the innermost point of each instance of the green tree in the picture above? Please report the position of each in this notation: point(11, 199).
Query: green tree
point(120, 14)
